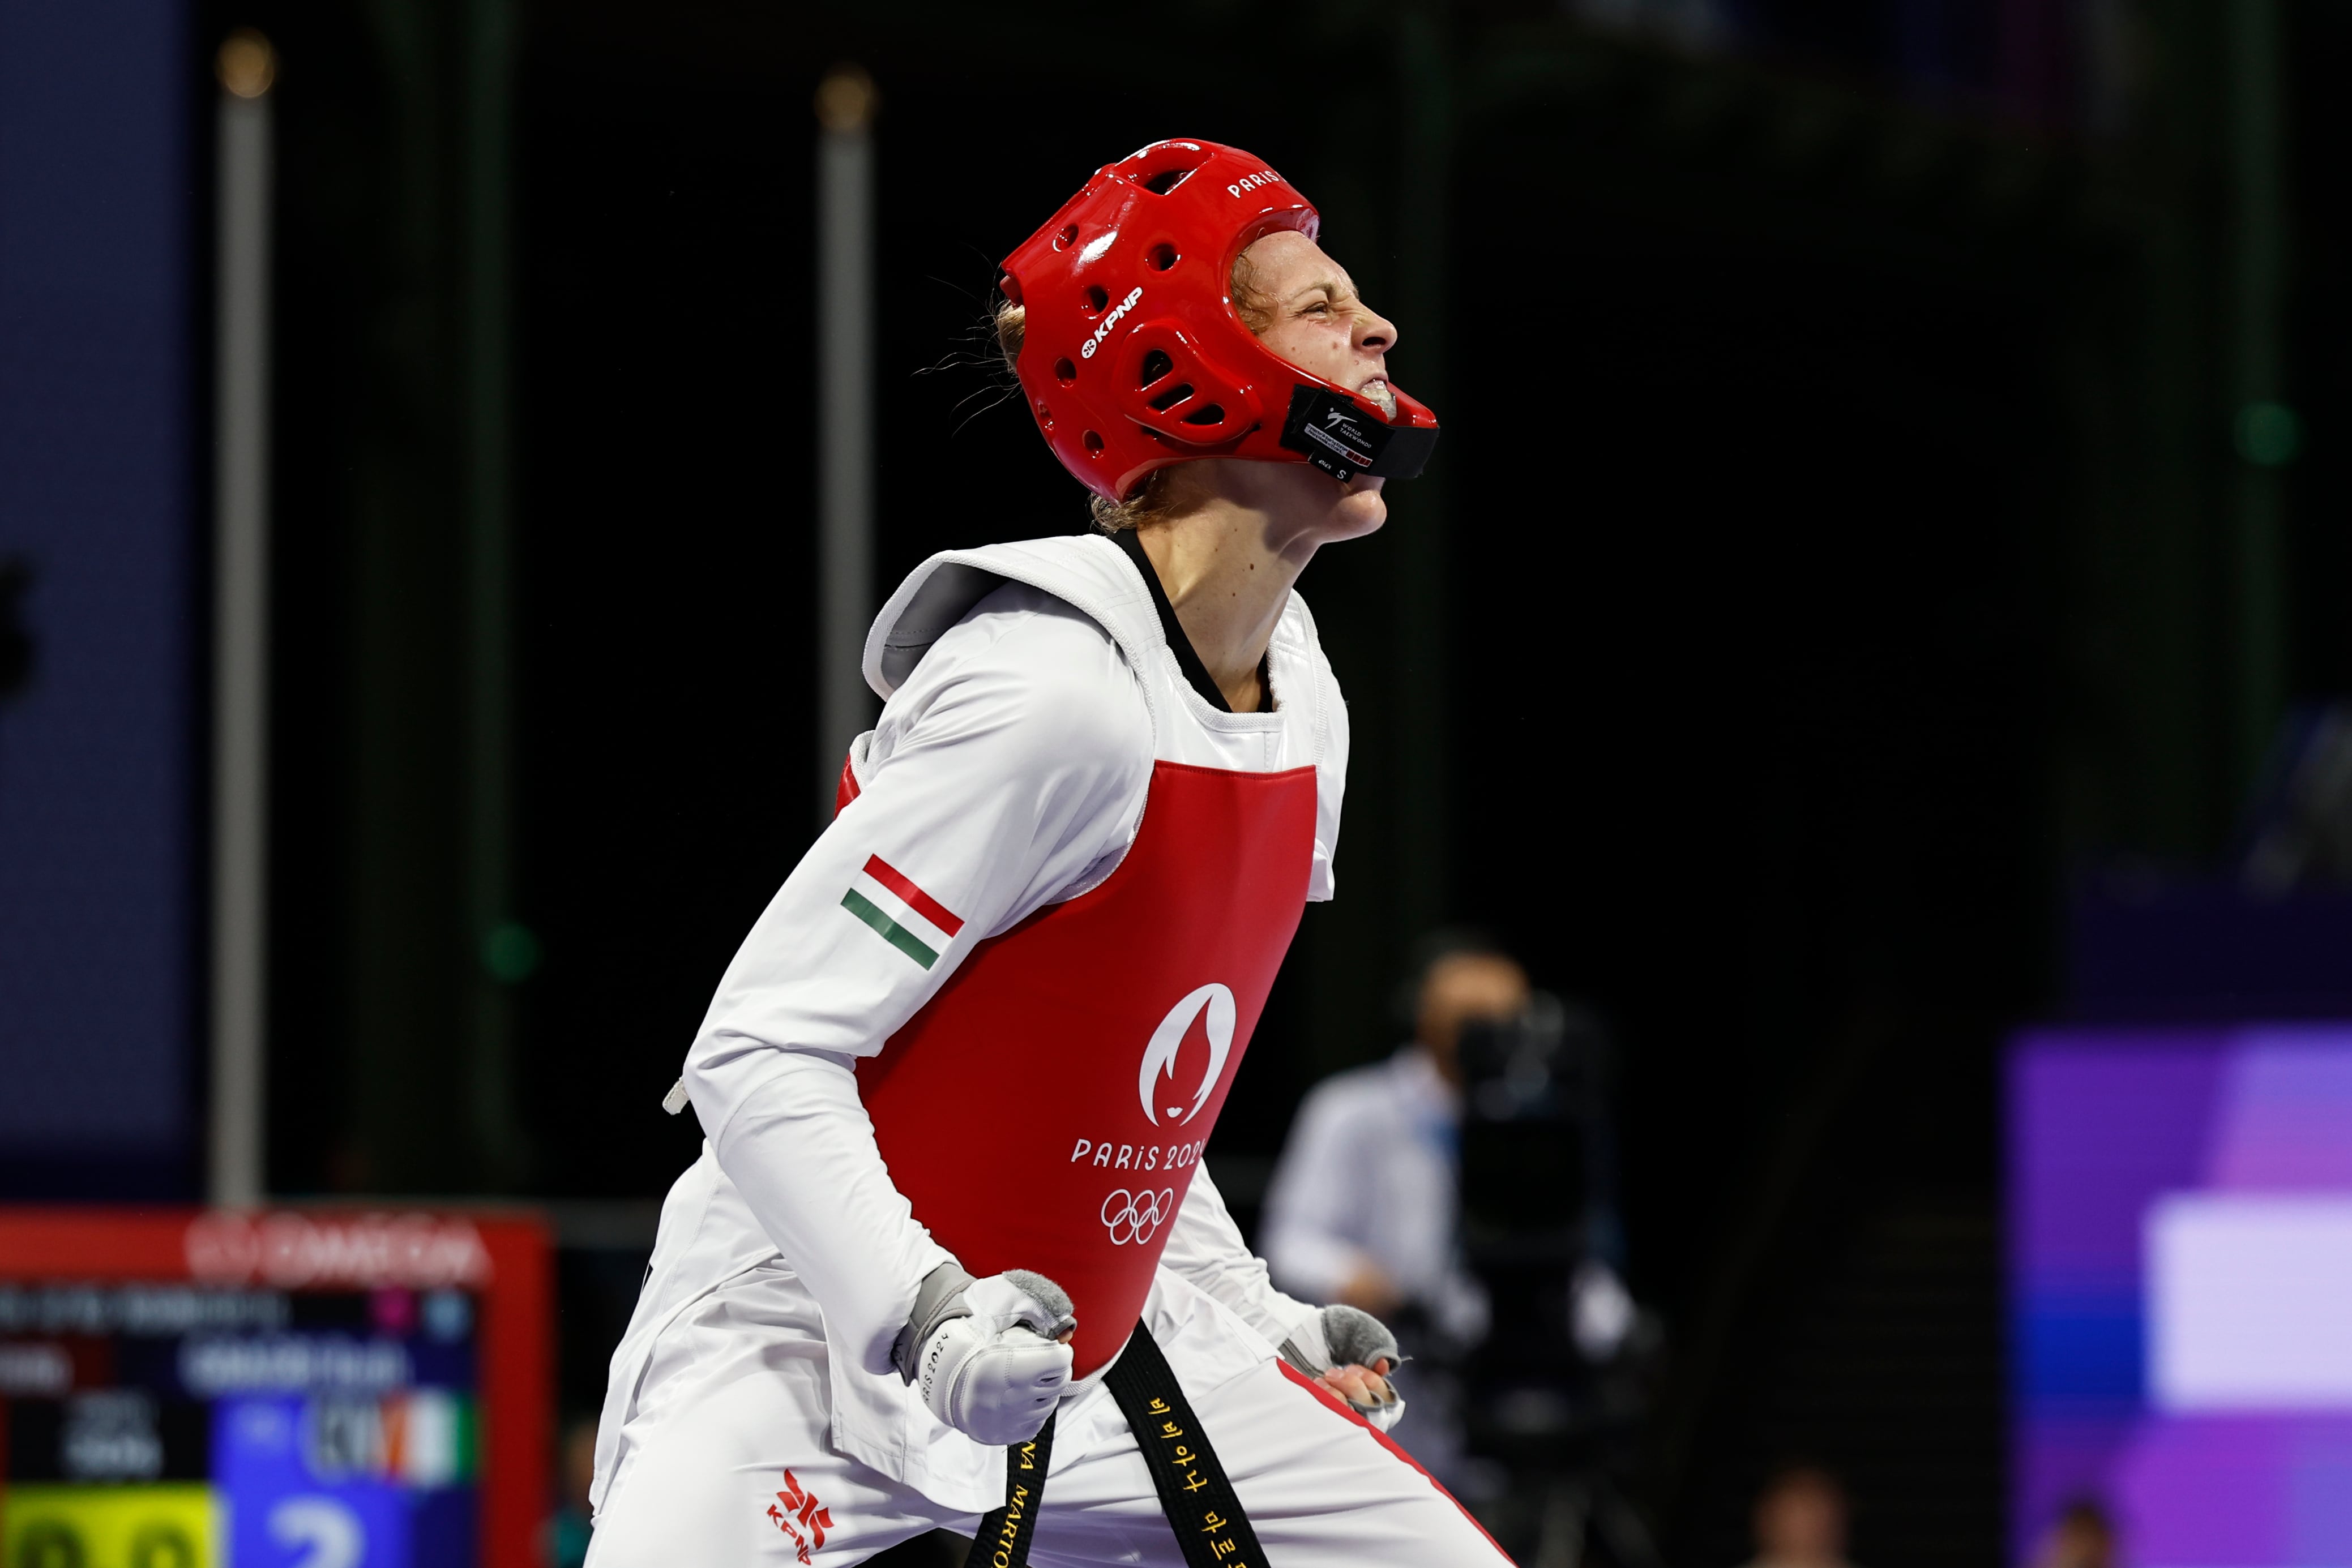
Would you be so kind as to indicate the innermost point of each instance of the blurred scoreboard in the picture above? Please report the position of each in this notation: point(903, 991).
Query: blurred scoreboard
point(283, 1390)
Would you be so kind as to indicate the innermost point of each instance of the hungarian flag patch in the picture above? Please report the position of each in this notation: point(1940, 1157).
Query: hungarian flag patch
point(902, 914)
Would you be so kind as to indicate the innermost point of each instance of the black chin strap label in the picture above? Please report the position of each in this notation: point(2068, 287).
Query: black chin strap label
point(1211, 1531)
point(1004, 1533)
point(1343, 441)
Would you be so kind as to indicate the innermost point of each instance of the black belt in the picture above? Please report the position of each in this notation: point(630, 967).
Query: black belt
point(1211, 1528)
point(1004, 1533)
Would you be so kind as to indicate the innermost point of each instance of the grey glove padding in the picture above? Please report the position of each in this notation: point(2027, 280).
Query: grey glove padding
point(1349, 1336)
point(990, 1356)
point(1046, 1294)
point(1356, 1338)
point(939, 1299)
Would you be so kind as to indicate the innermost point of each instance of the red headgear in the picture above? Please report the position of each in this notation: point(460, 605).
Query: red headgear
point(1132, 354)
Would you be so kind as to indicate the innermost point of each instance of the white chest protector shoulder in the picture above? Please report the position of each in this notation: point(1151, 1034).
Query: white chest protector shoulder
point(1093, 575)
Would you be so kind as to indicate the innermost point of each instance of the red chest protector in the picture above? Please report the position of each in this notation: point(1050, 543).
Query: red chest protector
point(1046, 1109)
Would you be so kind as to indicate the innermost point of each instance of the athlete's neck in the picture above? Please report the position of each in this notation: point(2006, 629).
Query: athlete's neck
point(1238, 538)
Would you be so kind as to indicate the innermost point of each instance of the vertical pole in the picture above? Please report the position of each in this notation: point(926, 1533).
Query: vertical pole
point(1425, 72)
point(846, 102)
point(235, 1175)
point(2257, 380)
point(505, 950)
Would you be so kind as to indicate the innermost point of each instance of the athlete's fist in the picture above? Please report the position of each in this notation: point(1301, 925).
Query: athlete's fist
point(1350, 1352)
point(991, 1355)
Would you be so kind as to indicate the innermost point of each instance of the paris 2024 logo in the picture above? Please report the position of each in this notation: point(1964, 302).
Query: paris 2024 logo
point(1132, 1216)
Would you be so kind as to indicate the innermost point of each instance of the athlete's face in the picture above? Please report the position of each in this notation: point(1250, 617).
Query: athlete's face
point(1319, 323)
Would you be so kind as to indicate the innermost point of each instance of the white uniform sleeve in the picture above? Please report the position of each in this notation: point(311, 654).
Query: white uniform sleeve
point(803, 1131)
point(1331, 767)
point(1009, 772)
point(1206, 1247)
point(1313, 1196)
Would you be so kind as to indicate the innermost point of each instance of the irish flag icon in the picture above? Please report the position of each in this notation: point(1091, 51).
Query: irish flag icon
point(907, 918)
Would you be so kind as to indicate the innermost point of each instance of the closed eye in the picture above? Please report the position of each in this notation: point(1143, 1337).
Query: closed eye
point(1326, 298)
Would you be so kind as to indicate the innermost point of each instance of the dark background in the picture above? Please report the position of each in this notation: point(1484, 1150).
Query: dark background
point(1838, 548)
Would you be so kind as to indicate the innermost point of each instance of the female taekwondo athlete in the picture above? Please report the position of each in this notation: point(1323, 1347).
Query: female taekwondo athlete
point(948, 1257)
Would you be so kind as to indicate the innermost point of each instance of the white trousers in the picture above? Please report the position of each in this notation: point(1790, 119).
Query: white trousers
point(704, 1484)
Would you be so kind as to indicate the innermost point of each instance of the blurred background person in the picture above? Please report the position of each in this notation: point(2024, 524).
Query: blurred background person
point(1365, 1202)
point(1364, 1206)
point(1801, 1518)
point(569, 1526)
point(2082, 1536)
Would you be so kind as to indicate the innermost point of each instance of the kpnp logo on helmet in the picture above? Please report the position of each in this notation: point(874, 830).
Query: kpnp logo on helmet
point(1216, 1002)
point(1121, 309)
point(1187, 379)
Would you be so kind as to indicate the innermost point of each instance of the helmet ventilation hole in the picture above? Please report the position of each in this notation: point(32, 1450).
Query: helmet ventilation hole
point(1093, 444)
point(1045, 415)
point(1067, 237)
point(1097, 301)
point(1156, 364)
point(1065, 372)
point(1171, 397)
point(1212, 414)
point(1165, 181)
point(1164, 256)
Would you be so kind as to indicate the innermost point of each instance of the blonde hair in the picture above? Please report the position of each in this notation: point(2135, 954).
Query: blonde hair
point(1155, 499)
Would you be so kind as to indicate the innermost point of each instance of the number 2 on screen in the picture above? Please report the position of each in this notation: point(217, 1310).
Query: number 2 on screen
point(330, 1529)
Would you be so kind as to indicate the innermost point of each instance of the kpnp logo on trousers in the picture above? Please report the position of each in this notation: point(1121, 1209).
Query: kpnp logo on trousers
point(1214, 1005)
point(800, 1516)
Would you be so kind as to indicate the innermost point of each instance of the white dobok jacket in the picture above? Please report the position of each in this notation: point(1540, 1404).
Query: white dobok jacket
point(1029, 689)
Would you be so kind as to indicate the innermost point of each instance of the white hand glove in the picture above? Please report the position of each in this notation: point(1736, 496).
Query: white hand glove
point(1339, 1337)
point(987, 1352)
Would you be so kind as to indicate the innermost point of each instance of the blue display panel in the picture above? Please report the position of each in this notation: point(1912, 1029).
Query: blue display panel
point(197, 1426)
point(97, 791)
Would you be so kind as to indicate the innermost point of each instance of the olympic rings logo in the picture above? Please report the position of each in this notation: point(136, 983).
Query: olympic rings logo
point(1138, 1214)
